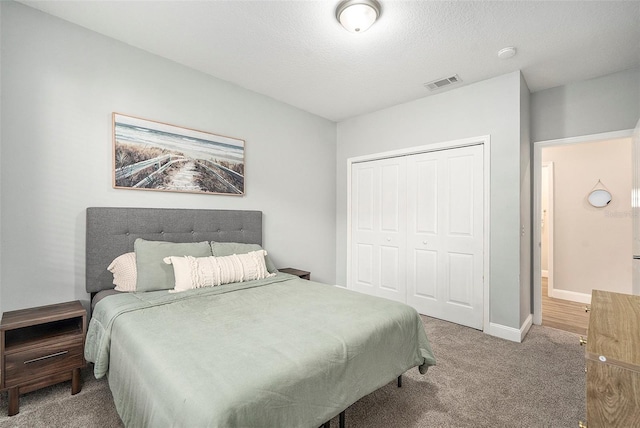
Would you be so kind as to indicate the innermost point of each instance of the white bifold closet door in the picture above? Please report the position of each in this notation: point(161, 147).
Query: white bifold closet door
point(378, 213)
point(445, 234)
point(417, 232)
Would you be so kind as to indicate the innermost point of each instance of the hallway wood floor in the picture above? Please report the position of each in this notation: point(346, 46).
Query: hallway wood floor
point(563, 314)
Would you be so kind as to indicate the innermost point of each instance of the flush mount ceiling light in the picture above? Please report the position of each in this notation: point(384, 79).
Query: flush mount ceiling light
point(506, 53)
point(358, 15)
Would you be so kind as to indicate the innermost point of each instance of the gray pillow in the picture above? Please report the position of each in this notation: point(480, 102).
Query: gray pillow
point(220, 249)
point(153, 272)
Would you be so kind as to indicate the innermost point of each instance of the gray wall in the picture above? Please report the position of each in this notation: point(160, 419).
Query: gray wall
point(60, 84)
point(526, 210)
point(604, 104)
point(491, 107)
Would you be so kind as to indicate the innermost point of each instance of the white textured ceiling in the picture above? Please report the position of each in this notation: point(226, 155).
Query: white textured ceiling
point(296, 51)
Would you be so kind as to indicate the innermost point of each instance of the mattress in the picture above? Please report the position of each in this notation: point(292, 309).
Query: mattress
point(280, 352)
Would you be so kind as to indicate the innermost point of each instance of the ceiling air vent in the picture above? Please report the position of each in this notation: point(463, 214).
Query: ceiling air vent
point(440, 83)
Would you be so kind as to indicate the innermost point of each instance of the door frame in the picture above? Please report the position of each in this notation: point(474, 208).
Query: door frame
point(549, 221)
point(537, 204)
point(485, 141)
point(635, 209)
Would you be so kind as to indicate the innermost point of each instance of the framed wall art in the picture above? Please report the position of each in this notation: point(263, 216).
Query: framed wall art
point(153, 155)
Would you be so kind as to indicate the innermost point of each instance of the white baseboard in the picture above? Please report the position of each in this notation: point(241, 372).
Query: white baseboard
point(524, 329)
point(545, 273)
point(570, 295)
point(510, 333)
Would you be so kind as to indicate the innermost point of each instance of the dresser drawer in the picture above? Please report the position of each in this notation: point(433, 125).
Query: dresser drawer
point(612, 396)
point(613, 361)
point(30, 364)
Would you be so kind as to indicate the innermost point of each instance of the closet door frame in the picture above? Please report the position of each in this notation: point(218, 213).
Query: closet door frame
point(485, 141)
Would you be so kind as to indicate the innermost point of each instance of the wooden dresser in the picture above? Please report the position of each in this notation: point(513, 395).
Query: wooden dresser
point(613, 361)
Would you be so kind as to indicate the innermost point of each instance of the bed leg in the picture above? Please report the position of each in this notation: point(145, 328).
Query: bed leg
point(400, 381)
point(342, 421)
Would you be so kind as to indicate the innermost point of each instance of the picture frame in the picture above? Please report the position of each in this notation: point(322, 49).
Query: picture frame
point(151, 155)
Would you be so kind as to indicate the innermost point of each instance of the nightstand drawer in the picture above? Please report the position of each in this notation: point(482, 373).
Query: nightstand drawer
point(53, 358)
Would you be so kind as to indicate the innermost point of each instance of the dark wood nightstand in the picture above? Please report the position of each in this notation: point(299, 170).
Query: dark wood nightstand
point(297, 272)
point(40, 347)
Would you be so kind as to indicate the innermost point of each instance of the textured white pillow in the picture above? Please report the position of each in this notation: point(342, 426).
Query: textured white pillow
point(196, 272)
point(125, 274)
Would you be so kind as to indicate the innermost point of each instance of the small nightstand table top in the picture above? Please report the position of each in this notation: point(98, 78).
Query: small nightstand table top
point(41, 315)
point(297, 272)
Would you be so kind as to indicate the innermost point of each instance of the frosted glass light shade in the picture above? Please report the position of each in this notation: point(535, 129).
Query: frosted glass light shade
point(357, 15)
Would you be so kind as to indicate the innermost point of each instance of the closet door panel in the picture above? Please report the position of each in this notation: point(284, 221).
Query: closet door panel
point(364, 274)
point(460, 284)
point(422, 226)
point(424, 274)
point(389, 274)
point(460, 195)
point(364, 217)
point(364, 202)
point(390, 193)
point(391, 232)
point(424, 193)
point(449, 183)
point(378, 222)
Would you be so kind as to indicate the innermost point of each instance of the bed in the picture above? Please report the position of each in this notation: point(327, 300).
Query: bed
point(274, 352)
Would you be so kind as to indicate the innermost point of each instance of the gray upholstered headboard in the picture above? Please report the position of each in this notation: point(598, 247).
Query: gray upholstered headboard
point(112, 231)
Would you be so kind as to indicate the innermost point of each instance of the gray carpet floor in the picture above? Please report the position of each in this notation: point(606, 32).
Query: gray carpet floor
point(479, 381)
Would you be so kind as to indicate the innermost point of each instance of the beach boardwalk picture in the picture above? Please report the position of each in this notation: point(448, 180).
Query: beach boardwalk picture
point(158, 156)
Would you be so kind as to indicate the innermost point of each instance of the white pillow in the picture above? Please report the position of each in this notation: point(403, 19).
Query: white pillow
point(196, 272)
point(124, 272)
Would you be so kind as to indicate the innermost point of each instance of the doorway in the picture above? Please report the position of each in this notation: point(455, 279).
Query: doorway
point(587, 246)
point(558, 313)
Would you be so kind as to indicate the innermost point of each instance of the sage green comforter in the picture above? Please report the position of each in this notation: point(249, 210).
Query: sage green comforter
point(279, 352)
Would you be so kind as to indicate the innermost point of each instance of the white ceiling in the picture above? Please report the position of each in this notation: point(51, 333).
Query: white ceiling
point(296, 52)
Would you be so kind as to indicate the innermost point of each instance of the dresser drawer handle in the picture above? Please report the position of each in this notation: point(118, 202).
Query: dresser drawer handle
point(57, 354)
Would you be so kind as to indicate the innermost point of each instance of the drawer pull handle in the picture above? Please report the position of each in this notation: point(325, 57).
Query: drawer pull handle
point(582, 425)
point(583, 341)
point(587, 309)
point(57, 354)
